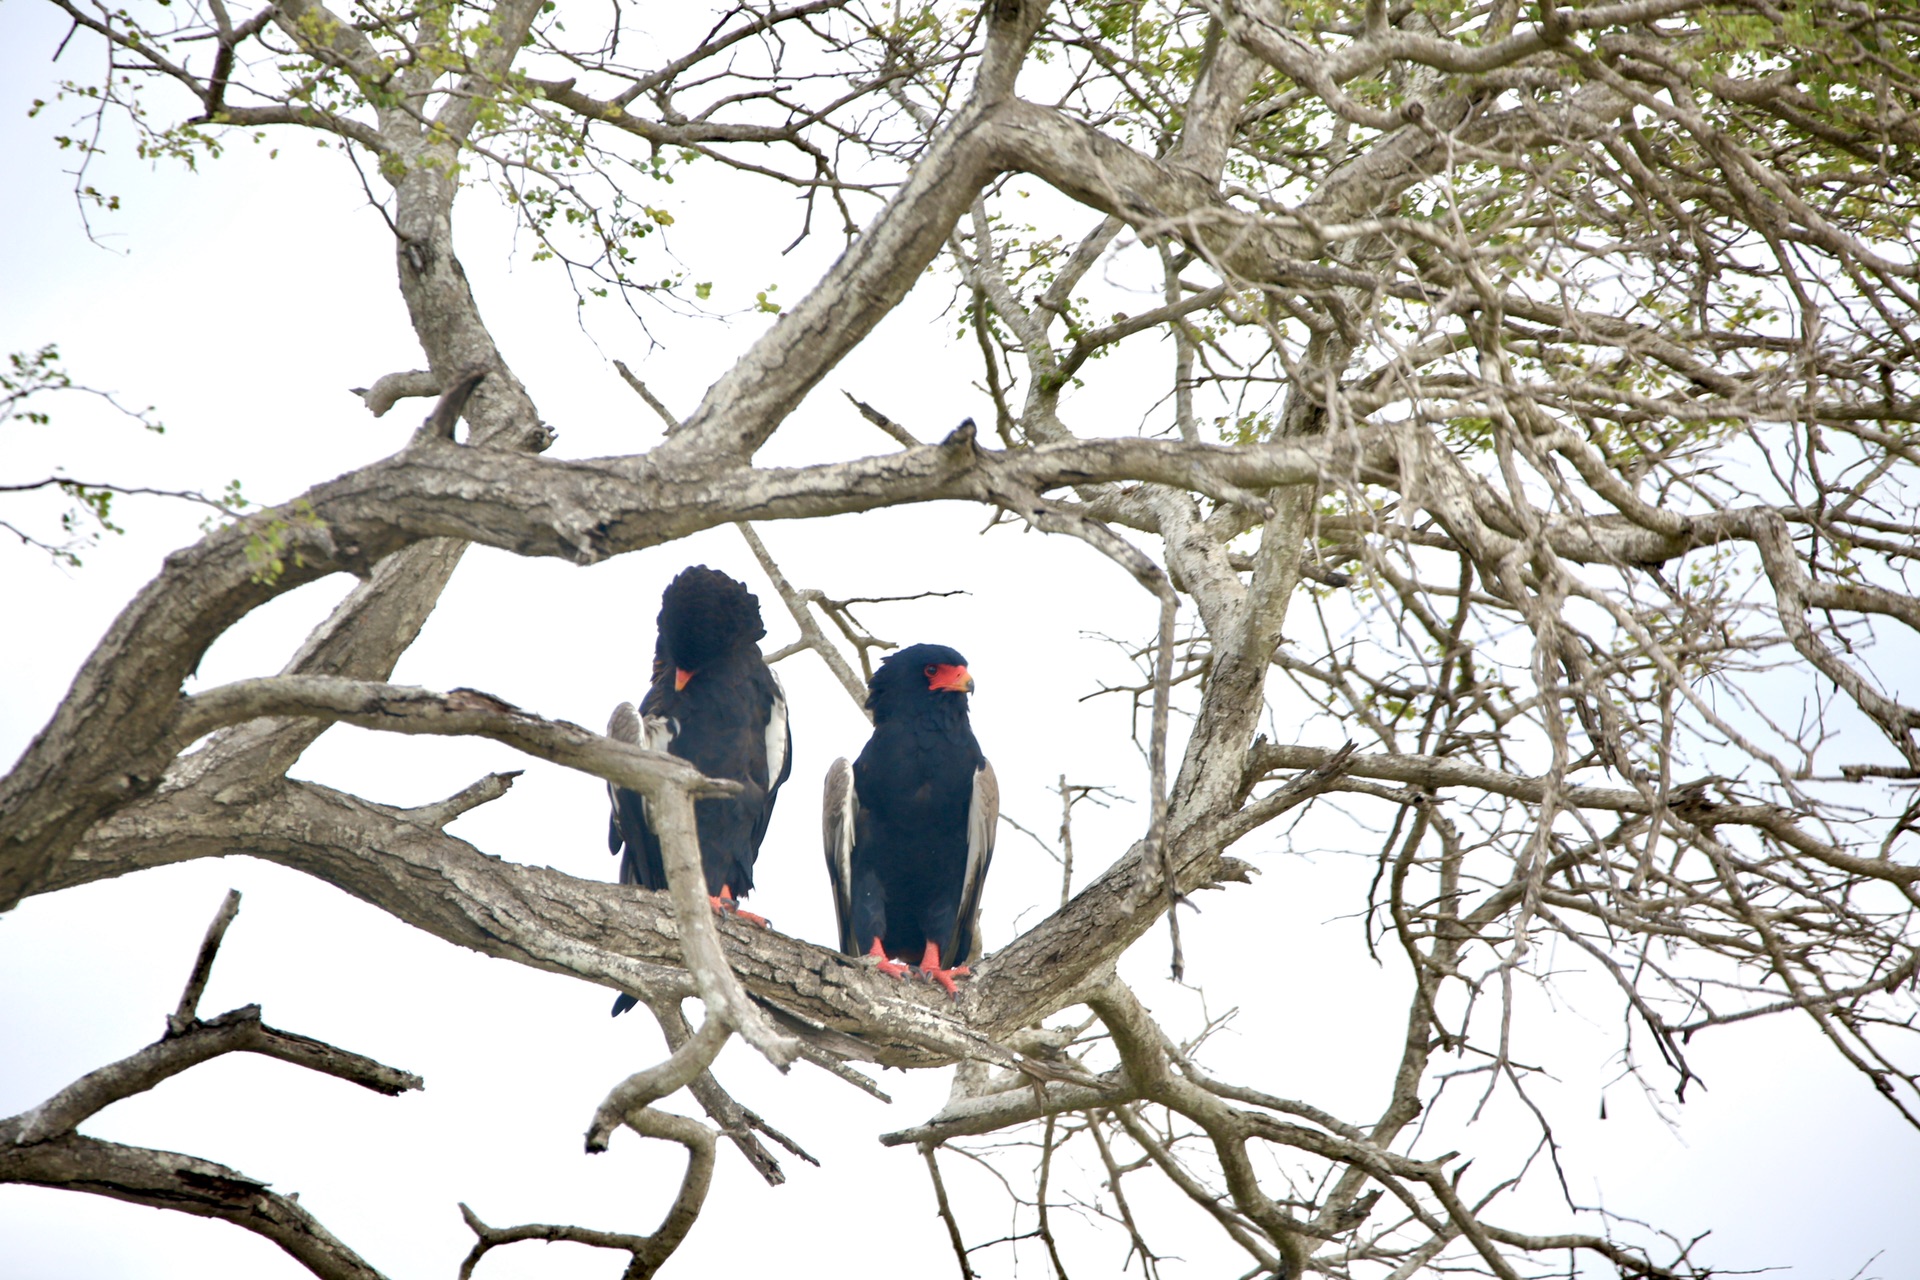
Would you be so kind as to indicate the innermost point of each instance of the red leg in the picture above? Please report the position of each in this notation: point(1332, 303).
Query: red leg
point(893, 969)
point(726, 906)
point(930, 968)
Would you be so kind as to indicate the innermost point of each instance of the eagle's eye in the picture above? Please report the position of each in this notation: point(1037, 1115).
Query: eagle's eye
point(930, 670)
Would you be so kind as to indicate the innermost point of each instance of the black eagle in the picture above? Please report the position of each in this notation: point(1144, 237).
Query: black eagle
point(715, 704)
point(909, 826)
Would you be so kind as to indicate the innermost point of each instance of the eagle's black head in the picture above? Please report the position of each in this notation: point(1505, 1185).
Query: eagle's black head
point(919, 674)
point(703, 615)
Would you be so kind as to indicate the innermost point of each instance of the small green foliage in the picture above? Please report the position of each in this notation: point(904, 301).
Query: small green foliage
point(97, 503)
point(1247, 428)
point(231, 503)
point(27, 374)
point(37, 373)
point(272, 535)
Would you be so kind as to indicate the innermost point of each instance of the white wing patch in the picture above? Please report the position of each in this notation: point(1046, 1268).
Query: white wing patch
point(836, 830)
point(656, 734)
point(623, 727)
point(983, 824)
point(777, 734)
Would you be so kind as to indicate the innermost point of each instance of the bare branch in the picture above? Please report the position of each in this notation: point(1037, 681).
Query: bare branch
point(811, 636)
point(39, 1146)
point(183, 1019)
point(946, 1212)
point(391, 388)
point(653, 402)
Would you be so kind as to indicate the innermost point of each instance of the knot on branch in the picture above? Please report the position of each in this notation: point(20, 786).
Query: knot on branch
point(478, 700)
point(418, 254)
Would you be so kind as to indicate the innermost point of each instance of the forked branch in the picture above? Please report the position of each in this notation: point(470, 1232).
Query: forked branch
point(39, 1147)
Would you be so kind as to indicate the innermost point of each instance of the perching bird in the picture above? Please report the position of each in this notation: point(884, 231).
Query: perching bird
point(715, 704)
point(909, 826)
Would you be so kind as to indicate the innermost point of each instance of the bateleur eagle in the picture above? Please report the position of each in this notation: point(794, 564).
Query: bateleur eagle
point(715, 704)
point(909, 826)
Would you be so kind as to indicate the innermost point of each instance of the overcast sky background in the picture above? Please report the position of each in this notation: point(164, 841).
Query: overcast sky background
point(242, 302)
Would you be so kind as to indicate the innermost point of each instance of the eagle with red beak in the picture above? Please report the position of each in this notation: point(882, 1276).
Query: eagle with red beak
point(909, 826)
point(714, 703)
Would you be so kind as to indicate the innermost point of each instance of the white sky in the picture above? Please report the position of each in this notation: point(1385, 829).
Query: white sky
point(242, 302)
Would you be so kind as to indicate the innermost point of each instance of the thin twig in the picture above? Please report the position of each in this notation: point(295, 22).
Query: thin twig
point(810, 633)
point(653, 401)
point(883, 422)
point(946, 1214)
point(1157, 767)
point(186, 1015)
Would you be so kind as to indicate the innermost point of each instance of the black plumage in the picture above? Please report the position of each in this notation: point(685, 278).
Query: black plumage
point(909, 826)
point(715, 704)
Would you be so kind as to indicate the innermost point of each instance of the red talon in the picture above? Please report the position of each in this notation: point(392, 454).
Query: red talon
point(726, 906)
point(931, 970)
point(892, 968)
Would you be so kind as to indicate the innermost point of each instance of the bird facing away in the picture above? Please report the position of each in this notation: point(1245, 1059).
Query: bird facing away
point(715, 704)
point(909, 827)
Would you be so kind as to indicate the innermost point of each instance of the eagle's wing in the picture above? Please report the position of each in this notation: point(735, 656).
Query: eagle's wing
point(983, 821)
point(836, 829)
point(628, 827)
point(779, 748)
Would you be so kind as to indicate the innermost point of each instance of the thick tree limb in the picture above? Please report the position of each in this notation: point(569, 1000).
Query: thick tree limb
point(462, 712)
point(168, 1180)
point(104, 745)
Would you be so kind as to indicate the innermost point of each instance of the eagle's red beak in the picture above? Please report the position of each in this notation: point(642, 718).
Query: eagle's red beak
point(680, 678)
point(950, 679)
